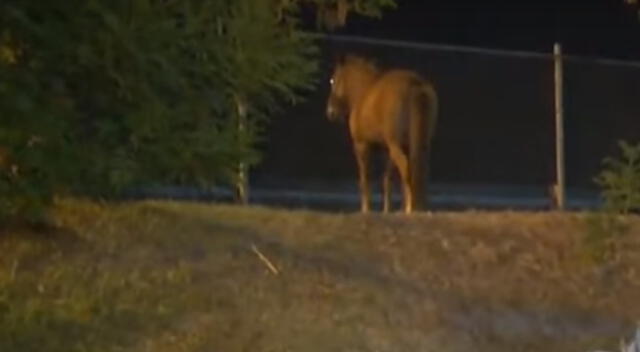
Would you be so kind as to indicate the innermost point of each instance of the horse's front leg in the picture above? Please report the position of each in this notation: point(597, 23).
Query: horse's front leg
point(362, 157)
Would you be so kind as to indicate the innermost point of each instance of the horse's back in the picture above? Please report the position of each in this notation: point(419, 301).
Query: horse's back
point(384, 112)
point(395, 86)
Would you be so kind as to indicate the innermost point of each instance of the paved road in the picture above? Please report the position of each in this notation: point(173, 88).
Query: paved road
point(442, 197)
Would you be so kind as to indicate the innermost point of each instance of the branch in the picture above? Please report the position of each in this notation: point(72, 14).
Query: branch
point(265, 260)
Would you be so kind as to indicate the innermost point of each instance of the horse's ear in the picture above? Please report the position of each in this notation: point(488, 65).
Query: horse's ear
point(340, 59)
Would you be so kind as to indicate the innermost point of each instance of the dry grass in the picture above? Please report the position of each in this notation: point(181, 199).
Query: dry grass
point(161, 276)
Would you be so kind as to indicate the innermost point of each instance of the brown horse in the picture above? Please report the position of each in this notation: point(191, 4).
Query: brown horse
point(396, 108)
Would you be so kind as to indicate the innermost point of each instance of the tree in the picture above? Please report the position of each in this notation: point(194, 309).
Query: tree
point(333, 13)
point(633, 2)
point(98, 95)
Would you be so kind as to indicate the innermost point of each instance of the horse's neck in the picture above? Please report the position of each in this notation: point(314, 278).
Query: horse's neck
point(360, 86)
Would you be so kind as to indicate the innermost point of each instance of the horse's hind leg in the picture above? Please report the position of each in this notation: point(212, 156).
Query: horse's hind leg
point(362, 157)
point(386, 185)
point(399, 157)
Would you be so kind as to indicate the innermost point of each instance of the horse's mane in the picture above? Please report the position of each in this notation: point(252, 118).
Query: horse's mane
point(360, 61)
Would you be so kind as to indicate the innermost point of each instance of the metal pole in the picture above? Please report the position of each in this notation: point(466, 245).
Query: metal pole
point(242, 181)
point(560, 171)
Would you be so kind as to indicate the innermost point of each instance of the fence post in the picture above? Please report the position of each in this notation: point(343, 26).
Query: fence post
point(242, 180)
point(559, 187)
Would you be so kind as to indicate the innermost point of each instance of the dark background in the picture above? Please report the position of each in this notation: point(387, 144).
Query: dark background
point(496, 124)
point(594, 27)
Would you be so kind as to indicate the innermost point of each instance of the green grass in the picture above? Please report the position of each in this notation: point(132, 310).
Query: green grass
point(163, 276)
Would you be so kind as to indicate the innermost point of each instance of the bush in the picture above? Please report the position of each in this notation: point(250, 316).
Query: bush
point(136, 92)
point(121, 93)
point(620, 184)
point(620, 180)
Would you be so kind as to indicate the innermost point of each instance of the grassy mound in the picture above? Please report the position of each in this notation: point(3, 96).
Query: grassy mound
point(162, 276)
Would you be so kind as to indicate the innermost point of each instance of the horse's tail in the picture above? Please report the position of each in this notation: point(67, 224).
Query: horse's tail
point(424, 115)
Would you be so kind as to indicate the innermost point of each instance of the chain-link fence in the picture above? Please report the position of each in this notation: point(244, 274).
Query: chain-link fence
point(495, 142)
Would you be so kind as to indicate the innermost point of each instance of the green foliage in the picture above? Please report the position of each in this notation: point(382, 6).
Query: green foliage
point(620, 180)
point(620, 184)
point(119, 93)
point(334, 13)
point(364, 7)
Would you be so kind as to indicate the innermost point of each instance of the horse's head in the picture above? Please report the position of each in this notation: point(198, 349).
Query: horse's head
point(351, 77)
point(338, 104)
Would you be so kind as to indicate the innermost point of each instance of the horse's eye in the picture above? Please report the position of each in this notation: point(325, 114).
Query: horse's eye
point(331, 81)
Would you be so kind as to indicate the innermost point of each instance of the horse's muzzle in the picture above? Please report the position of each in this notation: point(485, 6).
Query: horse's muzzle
point(334, 114)
point(331, 113)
